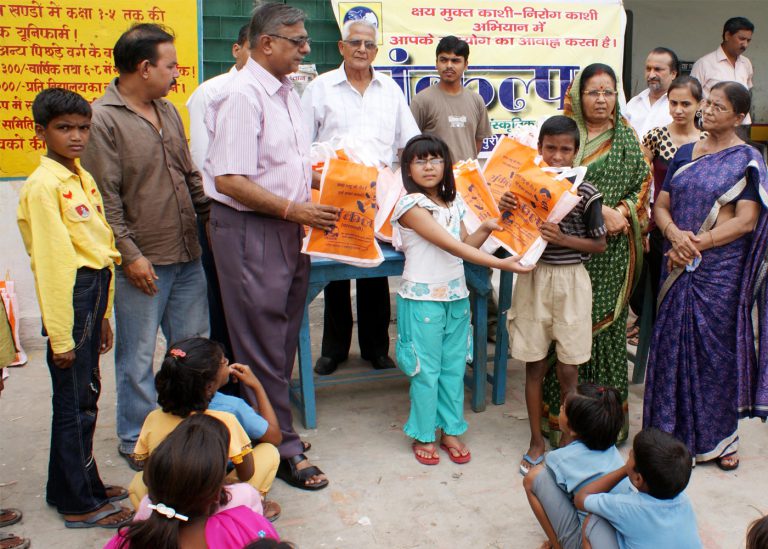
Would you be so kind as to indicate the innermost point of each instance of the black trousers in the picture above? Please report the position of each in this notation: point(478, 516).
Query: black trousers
point(373, 315)
point(653, 262)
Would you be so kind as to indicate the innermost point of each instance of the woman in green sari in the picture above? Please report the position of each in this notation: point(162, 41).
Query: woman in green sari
point(617, 168)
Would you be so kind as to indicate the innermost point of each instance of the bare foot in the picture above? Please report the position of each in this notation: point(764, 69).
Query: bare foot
point(545, 545)
point(314, 479)
point(456, 448)
point(119, 517)
point(425, 450)
point(729, 462)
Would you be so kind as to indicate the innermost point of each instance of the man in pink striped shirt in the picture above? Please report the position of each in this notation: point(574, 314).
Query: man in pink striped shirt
point(258, 159)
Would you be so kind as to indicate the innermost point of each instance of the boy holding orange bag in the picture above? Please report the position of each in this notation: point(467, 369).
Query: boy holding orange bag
point(554, 302)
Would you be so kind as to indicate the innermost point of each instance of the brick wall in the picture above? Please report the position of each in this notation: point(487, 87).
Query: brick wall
point(223, 18)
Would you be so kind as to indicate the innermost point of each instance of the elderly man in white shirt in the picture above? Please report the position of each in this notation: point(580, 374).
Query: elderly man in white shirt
point(650, 108)
point(355, 100)
point(727, 62)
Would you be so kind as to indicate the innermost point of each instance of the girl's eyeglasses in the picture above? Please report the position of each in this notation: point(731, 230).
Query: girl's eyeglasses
point(421, 162)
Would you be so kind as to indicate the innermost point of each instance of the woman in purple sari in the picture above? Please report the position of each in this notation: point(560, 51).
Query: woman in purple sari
point(703, 371)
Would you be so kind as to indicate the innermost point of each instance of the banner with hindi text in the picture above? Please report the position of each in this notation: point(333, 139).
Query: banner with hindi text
point(523, 54)
point(68, 44)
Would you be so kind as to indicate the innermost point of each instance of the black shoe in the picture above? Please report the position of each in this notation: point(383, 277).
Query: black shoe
point(382, 362)
point(326, 365)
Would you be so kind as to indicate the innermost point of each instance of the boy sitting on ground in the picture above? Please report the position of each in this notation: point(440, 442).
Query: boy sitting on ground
point(659, 514)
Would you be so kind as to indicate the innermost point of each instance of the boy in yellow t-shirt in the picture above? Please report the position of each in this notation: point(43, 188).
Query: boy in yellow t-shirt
point(72, 250)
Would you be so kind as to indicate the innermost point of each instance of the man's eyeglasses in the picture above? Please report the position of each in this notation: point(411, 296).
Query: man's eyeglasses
point(421, 162)
point(717, 107)
point(299, 41)
point(370, 45)
point(607, 94)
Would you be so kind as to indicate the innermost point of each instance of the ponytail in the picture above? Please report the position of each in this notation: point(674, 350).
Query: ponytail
point(596, 414)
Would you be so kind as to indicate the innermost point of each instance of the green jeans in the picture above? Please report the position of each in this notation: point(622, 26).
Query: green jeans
point(434, 345)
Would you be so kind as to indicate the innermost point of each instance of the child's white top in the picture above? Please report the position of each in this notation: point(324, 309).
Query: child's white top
point(431, 273)
point(644, 522)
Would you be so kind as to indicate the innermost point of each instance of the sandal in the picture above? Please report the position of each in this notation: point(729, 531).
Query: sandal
point(728, 466)
point(11, 541)
point(306, 445)
point(93, 522)
point(298, 478)
point(531, 463)
point(271, 510)
point(133, 462)
point(433, 460)
point(460, 459)
point(9, 516)
point(122, 493)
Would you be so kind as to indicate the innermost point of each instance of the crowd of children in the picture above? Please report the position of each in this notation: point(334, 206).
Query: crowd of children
point(209, 459)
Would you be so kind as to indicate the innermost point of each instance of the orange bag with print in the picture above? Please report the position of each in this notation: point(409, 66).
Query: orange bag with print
point(541, 196)
point(352, 188)
point(481, 204)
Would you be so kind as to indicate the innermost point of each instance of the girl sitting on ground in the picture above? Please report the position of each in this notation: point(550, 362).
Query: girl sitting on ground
point(185, 476)
point(592, 417)
point(193, 370)
point(433, 344)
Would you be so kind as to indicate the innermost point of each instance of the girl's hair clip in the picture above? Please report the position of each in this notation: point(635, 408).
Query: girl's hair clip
point(168, 512)
point(178, 353)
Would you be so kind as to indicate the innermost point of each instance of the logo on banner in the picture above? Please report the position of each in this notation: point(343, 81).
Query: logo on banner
point(370, 12)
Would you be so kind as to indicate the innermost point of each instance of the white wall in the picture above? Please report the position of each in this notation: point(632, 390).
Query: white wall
point(13, 256)
point(693, 28)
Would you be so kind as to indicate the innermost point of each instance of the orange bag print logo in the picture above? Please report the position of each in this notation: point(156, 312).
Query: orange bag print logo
point(352, 188)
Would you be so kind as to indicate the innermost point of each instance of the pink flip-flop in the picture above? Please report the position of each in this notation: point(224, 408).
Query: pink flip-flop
point(460, 459)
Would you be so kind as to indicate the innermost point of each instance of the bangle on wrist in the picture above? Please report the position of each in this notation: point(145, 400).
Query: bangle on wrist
point(288, 207)
point(712, 238)
point(664, 232)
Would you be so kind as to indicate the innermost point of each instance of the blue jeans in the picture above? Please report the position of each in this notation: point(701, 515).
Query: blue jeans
point(74, 485)
point(180, 308)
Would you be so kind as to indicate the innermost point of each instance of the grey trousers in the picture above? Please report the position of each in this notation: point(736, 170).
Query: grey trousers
point(263, 278)
point(564, 517)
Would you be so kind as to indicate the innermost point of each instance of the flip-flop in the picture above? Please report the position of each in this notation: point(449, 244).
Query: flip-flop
point(271, 510)
point(9, 516)
point(298, 478)
point(725, 467)
point(424, 460)
point(6, 539)
point(533, 462)
point(93, 522)
point(460, 459)
point(120, 496)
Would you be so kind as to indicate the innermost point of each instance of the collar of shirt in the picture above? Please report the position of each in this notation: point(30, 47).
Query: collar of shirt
point(265, 78)
point(339, 76)
point(721, 57)
point(113, 98)
point(59, 170)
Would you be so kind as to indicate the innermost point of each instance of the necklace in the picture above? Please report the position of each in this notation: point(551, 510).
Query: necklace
point(446, 207)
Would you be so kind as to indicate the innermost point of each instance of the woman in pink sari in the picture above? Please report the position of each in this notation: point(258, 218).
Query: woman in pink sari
point(185, 479)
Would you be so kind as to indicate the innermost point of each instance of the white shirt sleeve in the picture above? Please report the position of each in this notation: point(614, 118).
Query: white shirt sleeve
point(308, 112)
point(198, 134)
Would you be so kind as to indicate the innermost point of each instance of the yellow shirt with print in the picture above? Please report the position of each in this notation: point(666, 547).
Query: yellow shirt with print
point(62, 223)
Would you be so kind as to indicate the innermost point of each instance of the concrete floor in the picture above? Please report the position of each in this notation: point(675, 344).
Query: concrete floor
point(379, 495)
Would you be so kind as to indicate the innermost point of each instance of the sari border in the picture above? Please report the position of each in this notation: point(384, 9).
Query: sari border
point(729, 444)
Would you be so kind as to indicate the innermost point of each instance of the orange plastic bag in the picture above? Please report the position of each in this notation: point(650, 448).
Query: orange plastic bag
point(352, 188)
point(481, 204)
point(389, 189)
point(513, 167)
